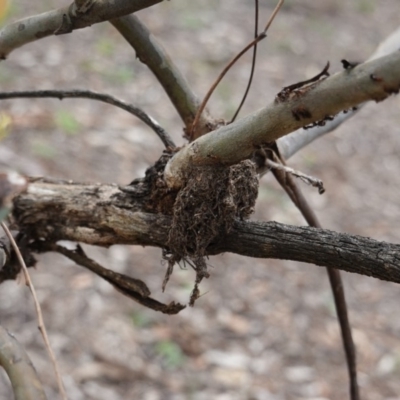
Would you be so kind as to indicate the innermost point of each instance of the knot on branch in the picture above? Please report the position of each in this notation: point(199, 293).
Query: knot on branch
point(205, 209)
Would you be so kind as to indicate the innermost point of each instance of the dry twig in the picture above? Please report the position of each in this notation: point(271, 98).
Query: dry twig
point(310, 180)
point(253, 64)
point(41, 325)
point(105, 98)
point(133, 288)
point(260, 37)
point(292, 189)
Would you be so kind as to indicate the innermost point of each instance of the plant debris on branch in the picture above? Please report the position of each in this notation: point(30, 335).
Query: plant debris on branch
point(205, 209)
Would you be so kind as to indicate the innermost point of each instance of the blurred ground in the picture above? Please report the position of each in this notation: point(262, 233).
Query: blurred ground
point(263, 329)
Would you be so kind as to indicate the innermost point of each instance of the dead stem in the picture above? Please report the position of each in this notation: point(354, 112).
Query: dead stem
point(39, 313)
point(261, 36)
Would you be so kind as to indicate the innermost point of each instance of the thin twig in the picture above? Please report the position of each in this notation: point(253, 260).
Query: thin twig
point(310, 180)
point(261, 36)
point(335, 280)
point(253, 64)
point(105, 98)
point(221, 75)
point(235, 142)
point(41, 325)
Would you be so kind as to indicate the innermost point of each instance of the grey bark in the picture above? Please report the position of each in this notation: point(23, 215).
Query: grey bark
point(79, 14)
point(102, 215)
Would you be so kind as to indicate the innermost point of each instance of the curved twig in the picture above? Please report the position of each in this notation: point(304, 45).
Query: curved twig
point(261, 36)
point(41, 325)
point(228, 145)
point(105, 98)
point(253, 65)
point(133, 288)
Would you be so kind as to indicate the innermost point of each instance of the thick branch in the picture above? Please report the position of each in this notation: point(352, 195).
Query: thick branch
point(290, 144)
point(94, 214)
point(79, 14)
point(87, 213)
point(321, 247)
point(295, 141)
point(373, 80)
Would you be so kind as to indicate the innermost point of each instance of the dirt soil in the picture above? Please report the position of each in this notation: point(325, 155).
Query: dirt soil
point(262, 329)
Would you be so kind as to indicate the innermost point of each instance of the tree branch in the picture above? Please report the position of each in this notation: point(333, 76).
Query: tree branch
point(194, 131)
point(77, 15)
point(291, 144)
point(105, 98)
point(133, 288)
point(151, 53)
point(321, 247)
point(293, 190)
point(295, 141)
point(41, 324)
point(373, 80)
point(102, 215)
point(19, 368)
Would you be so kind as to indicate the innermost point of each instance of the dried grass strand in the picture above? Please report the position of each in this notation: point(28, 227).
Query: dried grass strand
point(39, 313)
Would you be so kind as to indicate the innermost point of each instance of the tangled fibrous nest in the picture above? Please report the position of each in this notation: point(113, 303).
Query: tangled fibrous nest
point(205, 210)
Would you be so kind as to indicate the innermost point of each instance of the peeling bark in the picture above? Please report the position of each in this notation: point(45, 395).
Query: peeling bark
point(103, 215)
